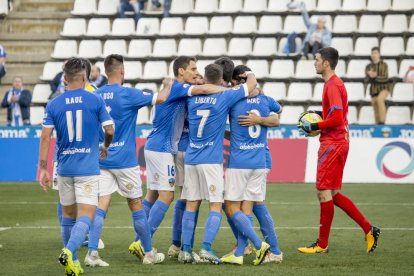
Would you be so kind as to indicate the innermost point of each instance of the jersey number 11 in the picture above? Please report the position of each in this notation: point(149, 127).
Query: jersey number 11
point(69, 124)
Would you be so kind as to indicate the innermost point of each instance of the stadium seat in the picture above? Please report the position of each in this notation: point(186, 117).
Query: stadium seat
point(196, 25)
point(107, 7)
point(392, 46)
point(143, 116)
point(123, 27)
point(148, 26)
point(378, 5)
point(363, 45)
point(329, 5)
point(299, 92)
point(340, 69)
point(345, 24)
point(317, 92)
point(314, 108)
point(277, 5)
point(344, 45)
point(270, 24)
point(36, 115)
point(90, 49)
point(230, 6)
point(189, 46)
point(294, 23)
point(50, 70)
point(264, 46)
point(101, 66)
point(65, 49)
point(171, 26)
point(181, 6)
point(410, 46)
point(392, 67)
point(276, 90)
point(356, 68)
point(245, 25)
point(310, 4)
point(155, 70)
point(4, 7)
point(282, 43)
point(147, 85)
point(202, 6)
point(395, 23)
point(290, 114)
point(201, 64)
point(352, 115)
point(403, 92)
point(41, 93)
point(116, 46)
point(366, 116)
point(282, 68)
point(139, 48)
point(84, 7)
point(214, 47)
point(74, 27)
point(398, 115)
point(370, 24)
point(353, 5)
point(404, 65)
point(355, 91)
point(133, 70)
point(240, 47)
point(260, 67)
point(164, 48)
point(254, 5)
point(402, 5)
point(305, 69)
point(328, 18)
point(221, 25)
point(98, 27)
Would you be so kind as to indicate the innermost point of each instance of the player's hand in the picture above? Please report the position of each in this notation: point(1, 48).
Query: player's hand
point(249, 120)
point(167, 82)
point(103, 152)
point(44, 179)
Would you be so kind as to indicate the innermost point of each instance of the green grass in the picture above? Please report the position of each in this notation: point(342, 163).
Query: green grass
point(30, 250)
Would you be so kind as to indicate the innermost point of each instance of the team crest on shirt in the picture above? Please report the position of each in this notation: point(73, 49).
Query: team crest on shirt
point(185, 85)
point(156, 176)
point(87, 188)
point(212, 188)
point(129, 186)
point(171, 181)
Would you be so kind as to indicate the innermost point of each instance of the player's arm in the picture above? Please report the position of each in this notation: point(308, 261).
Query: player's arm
point(108, 136)
point(382, 74)
point(251, 83)
point(44, 178)
point(164, 93)
point(206, 89)
point(253, 119)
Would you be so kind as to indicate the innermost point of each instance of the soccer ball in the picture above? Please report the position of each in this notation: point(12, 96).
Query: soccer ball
point(312, 118)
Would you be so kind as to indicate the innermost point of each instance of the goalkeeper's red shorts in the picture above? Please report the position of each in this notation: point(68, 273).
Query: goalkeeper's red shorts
point(331, 163)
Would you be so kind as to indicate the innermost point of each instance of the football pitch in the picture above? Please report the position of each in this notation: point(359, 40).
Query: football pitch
point(30, 235)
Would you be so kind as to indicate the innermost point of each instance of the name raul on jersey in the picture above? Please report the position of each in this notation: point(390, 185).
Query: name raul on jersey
point(207, 100)
point(74, 100)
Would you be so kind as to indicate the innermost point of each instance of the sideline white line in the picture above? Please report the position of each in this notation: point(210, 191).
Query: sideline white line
point(4, 228)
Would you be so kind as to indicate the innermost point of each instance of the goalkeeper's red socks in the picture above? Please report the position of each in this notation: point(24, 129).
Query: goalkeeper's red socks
point(350, 208)
point(326, 217)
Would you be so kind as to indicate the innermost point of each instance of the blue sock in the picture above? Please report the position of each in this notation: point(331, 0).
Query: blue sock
point(96, 229)
point(188, 230)
point(66, 226)
point(211, 229)
point(147, 207)
point(232, 226)
point(179, 209)
point(194, 230)
point(267, 227)
point(78, 234)
point(242, 222)
point(242, 241)
point(142, 228)
point(156, 215)
point(59, 212)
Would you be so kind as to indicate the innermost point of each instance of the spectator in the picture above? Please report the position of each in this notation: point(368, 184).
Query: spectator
point(57, 85)
point(17, 101)
point(96, 78)
point(318, 35)
point(377, 76)
point(136, 6)
point(2, 62)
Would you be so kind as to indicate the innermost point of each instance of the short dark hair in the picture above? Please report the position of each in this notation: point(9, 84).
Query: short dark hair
point(88, 67)
point(329, 54)
point(213, 73)
point(182, 62)
point(239, 69)
point(228, 66)
point(73, 67)
point(112, 62)
point(376, 48)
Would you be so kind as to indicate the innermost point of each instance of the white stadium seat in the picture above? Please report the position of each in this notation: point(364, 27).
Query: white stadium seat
point(270, 24)
point(190, 47)
point(282, 43)
point(392, 46)
point(276, 90)
point(139, 48)
point(171, 26)
point(352, 115)
point(305, 69)
point(403, 92)
point(355, 91)
point(41, 93)
point(411, 27)
point(392, 67)
point(317, 92)
point(147, 85)
point(259, 67)
point(181, 6)
point(36, 115)
point(196, 25)
point(255, 5)
point(143, 116)
point(343, 45)
point(282, 68)
point(278, 5)
point(107, 7)
point(370, 24)
point(328, 18)
point(74, 27)
point(290, 114)
point(398, 115)
point(378, 5)
point(404, 65)
point(221, 25)
point(230, 6)
point(345, 24)
point(4, 7)
point(50, 70)
point(294, 23)
point(101, 65)
point(366, 116)
point(353, 5)
point(148, 26)
point(133, 70)
point(410, 46)
point(395, 23)
point(65, 49)
point(240, 47)
point(363, 45)
point(340, 69)
point(214, 47)
point(314, 108)
point(116, 46)
point(402, 5)
point(299, 92)
point(164, 48)
point(98, 27)
point(84, 7)
point(90, 49)
point(264, 46)
point(202, 6)
point(356, 68)
point(310, 4)
point(329, 5)
point(155, 70)
point(123, 27)
point(245, 25)
point(201, 64)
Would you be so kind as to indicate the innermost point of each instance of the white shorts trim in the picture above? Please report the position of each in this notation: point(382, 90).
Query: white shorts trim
point(160, 171)
point(245, 184)
point(179, 168)
point(126, 181)
point(78, 189)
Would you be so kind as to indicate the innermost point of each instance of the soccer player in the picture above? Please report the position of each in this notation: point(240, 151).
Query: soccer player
point(204, 164)
point(120, 171)
point(77, 116)
point(332, 155)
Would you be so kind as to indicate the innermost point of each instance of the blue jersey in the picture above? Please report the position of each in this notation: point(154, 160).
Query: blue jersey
point(268, 157)
point(168, 122)
point(248, 144)
point(183, 143)
point(207, 117)
point(123, 104)
point(77, 117)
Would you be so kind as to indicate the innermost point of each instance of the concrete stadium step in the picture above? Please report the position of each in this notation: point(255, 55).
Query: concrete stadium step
point(29, 71)
point(22, 51)
point(21, 25)
point(44, 5)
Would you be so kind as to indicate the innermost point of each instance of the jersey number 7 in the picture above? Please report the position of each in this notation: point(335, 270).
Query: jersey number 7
point(204, 116)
